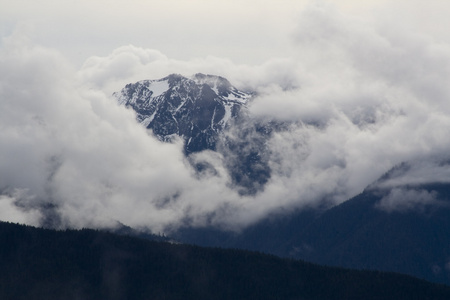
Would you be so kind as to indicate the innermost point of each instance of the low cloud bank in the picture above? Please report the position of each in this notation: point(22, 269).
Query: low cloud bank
point(359, 99)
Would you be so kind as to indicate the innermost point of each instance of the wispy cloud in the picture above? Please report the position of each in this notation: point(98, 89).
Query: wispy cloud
point(408, 199)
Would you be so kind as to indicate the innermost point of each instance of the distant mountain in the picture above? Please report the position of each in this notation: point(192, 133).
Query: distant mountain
point(86, 264)
point(196, 109)
point(409, 235)
point(403, 226)
point(202, 111)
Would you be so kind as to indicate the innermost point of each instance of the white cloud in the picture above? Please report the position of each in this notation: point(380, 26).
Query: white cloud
point(130, 64)
point(380, 97)
point(404, 199)
point(434, 169)
point(84, 160)
point(74, 147)
point(10, 211)
point(364, 97)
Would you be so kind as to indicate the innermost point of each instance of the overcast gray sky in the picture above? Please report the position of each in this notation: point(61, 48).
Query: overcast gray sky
point(244, 31)
point(374, 74)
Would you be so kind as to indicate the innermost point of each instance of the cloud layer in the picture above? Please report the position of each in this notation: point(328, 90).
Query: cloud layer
point(361, 98)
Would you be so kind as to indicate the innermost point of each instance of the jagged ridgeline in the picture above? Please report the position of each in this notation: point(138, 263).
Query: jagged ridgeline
point(205, 111)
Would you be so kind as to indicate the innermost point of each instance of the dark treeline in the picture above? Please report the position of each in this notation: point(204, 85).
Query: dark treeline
point(88, 264)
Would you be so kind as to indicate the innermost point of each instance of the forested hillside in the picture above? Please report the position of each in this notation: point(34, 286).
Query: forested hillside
point(88, 264)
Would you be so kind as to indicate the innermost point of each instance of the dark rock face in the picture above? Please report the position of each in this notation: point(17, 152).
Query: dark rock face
point(196, 109)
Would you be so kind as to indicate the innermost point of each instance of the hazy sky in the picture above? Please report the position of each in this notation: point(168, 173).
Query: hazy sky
point(243, 31)
point(247, 32)
point(373, 74)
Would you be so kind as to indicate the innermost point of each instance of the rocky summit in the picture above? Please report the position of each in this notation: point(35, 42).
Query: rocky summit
point(196, 109)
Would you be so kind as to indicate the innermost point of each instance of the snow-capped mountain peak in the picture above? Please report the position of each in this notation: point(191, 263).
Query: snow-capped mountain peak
point(195, 108)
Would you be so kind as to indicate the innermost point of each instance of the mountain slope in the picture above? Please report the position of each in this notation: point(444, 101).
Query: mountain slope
point(410, 234)
point(87, 264)
point(358, 234)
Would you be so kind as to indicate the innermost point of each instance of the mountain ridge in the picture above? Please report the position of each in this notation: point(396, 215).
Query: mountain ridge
point(359, 233)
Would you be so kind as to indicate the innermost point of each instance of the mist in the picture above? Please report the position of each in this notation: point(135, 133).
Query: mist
point(360, 95)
